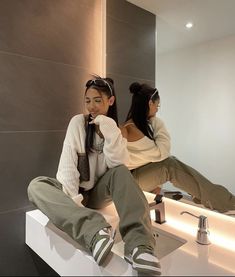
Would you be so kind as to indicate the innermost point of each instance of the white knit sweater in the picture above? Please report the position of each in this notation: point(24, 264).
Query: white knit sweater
point(145, 150)
point(114, 153)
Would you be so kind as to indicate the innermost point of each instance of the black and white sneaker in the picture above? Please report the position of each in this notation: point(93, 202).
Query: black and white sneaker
point(144, 261)
point(102, 244)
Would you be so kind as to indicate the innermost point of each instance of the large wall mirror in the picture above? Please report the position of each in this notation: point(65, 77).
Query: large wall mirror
point(195, 69)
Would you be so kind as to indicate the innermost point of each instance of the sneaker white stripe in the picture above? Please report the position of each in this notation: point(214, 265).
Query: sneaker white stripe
point(148, 257)
point(98, 245)
point(146, 267)
point(103, 251)
point(104, 240)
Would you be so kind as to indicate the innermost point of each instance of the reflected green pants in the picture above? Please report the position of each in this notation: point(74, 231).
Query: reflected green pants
point(82, 223)
point(186, 178)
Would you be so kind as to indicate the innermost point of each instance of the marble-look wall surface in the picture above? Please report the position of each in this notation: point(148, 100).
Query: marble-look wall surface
point(130, 49)
point(48, 49)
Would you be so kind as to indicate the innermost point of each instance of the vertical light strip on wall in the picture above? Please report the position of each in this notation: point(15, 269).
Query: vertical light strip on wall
point(103, 24)
point(156, 75)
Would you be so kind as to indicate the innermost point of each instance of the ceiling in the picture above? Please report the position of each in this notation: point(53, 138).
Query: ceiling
point(212, 19)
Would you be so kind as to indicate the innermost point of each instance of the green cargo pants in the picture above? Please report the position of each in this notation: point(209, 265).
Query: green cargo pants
point(186, 178)
point(81, 223)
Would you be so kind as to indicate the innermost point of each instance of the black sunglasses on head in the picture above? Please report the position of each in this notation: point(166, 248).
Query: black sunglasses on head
point(99, 83)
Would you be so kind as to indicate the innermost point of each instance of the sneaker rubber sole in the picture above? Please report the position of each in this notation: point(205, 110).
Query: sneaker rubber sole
point(144, 269)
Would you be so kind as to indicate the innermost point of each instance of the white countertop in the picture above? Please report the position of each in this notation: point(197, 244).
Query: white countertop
point(192, 258)
point(67, 258)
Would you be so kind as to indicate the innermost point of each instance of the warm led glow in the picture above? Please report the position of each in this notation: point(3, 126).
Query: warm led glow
point(104, 33)
point(189, 25)
point(216, 237)
point(223, 242)
point(192, 230)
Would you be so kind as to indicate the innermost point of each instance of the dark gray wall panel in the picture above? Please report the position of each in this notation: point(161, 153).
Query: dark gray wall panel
point(38, 95)
point(58, 30)
point(129, 13)
point(25, 155)
point(130, 50)
point(48, 48)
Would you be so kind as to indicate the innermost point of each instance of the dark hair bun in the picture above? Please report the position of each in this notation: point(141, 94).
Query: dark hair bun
point(135, 87)
point(110, 80)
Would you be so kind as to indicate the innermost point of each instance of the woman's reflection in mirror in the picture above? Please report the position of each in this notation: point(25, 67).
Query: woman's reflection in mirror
point(151, 162)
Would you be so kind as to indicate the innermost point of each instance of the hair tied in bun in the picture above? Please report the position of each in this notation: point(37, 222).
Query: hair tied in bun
point(135, 87)
point(109, 80)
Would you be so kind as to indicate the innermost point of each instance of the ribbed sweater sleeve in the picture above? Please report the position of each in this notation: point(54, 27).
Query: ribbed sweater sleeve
point(67, 173)
point(161, 136)
point(115, 145)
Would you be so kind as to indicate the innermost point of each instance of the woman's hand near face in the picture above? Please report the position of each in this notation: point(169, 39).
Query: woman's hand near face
point(99, 119)
point(96, 120)
point(92, 120)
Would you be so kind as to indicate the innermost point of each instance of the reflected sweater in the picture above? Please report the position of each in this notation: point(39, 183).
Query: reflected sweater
point(145, 150)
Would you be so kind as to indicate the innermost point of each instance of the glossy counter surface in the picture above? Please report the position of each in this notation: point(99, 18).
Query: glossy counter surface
point(192, 258)
point(67, 258)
